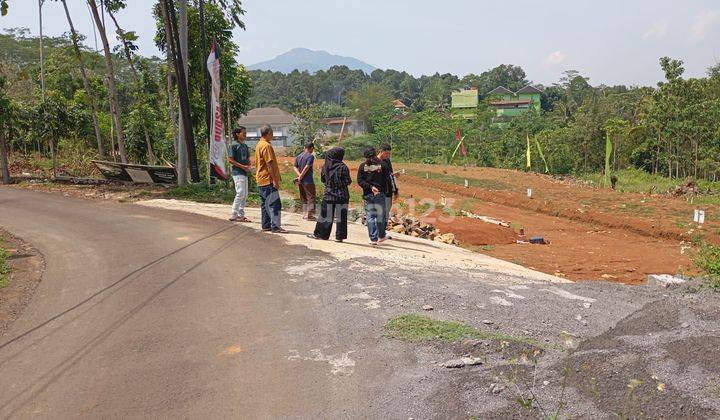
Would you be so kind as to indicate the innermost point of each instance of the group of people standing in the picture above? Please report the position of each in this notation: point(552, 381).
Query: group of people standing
point(375, 176)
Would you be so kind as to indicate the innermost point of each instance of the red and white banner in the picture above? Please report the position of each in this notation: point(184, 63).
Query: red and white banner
point(218, 147)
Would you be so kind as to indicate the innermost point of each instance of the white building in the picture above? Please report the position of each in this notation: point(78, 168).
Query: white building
point(279, 120)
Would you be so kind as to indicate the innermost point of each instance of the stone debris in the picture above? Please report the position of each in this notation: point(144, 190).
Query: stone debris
point(427, 308)
point(410, 225)
point(665, 280)
point(487, 322)
point(485, 219)
point(454, 364)
point(496, 388)
point(462, 362)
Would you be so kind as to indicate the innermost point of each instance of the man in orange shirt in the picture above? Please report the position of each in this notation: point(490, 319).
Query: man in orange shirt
point(268, 181)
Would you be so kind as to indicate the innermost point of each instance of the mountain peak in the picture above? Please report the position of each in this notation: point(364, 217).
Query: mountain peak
point(304, 59)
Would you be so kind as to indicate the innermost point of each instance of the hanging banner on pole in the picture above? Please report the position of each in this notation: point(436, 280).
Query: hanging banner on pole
point(218, 147)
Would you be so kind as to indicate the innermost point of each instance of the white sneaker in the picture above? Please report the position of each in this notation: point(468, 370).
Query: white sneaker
point(373, 243)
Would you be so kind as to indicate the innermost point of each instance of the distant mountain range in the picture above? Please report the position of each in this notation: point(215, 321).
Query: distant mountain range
point(304, 59)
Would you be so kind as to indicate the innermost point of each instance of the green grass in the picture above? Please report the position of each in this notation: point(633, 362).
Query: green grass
point(708, 259)
point(636, 180)
point(415, 328)
point(202, 193)
point(4, 267)
point(287, 184)
point(488, 184)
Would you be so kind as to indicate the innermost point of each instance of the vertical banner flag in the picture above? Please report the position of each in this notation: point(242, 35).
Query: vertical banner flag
point(218, 148)
point(608, 153)
point(527, 153)
point(460, 146)
point(461, 139)
point(542, 156)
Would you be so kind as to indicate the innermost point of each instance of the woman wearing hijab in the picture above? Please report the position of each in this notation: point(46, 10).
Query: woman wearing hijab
point(334, 207)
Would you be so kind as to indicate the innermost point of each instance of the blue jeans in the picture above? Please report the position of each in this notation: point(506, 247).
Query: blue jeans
point(375, 216)
point(270, 207)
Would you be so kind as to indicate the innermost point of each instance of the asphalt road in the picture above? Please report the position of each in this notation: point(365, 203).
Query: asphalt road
point(144, 312)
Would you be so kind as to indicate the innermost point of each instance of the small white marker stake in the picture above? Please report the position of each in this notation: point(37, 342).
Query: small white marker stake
point(466, 183)
point(427, 175)
point(699, 217)
point(529, 192)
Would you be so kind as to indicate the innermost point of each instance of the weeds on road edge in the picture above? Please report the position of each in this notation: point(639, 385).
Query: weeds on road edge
point(4, 268)
point(708, 259)
point(414, 327)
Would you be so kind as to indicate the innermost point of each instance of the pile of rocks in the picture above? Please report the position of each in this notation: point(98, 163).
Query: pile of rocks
point(410, 225)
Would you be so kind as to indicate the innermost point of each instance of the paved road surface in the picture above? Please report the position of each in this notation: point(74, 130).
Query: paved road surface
point(144, 312)
point(147, 312)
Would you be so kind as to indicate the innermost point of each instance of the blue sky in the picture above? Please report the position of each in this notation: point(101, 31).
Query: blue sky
point(610, 41)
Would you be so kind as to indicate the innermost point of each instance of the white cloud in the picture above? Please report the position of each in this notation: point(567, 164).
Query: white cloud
point(657, 30)
point(703, 24)
point(557, 57)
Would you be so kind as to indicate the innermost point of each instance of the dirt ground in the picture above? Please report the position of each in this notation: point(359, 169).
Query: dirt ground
point(26, 266)
point(594, 234)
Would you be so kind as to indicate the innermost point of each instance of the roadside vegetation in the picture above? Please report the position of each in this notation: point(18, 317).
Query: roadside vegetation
point(4, 267)
point(708, 259)
point(220, 193)
point(417, 328)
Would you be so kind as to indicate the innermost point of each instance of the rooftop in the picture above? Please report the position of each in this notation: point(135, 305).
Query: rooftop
point(529, 89)
point(269, 115)
point(500, 90)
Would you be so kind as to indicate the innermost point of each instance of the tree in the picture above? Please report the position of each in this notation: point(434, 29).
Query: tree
point(112, 90)
point(52, 123)
point(127, 39)
point(86, 82)
point(6, 119)
point(369, 102)
point(307, 127)
point(507, 75)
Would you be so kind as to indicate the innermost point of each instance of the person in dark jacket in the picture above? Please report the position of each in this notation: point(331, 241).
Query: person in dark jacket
point(334, 207)
point(392, 191)
point(374, 178)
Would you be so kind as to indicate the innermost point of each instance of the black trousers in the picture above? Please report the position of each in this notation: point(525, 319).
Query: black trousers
point(332, 212)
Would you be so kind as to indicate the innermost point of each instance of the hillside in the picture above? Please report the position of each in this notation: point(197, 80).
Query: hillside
point(304, 59)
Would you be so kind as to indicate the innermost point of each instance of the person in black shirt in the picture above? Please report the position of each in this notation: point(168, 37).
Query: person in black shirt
point(392, 189)
point(334, 207)
point(374, 178)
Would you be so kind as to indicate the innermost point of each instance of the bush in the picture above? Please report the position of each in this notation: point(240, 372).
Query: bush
point(708, 259)
point(355, 146)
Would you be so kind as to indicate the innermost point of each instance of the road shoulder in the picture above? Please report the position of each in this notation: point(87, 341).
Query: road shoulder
point(26, 267)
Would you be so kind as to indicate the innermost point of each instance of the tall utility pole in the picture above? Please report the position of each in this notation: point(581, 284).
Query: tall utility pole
point(182, 160)
point(42, 52)
point(173, 39)
point(206, 86)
